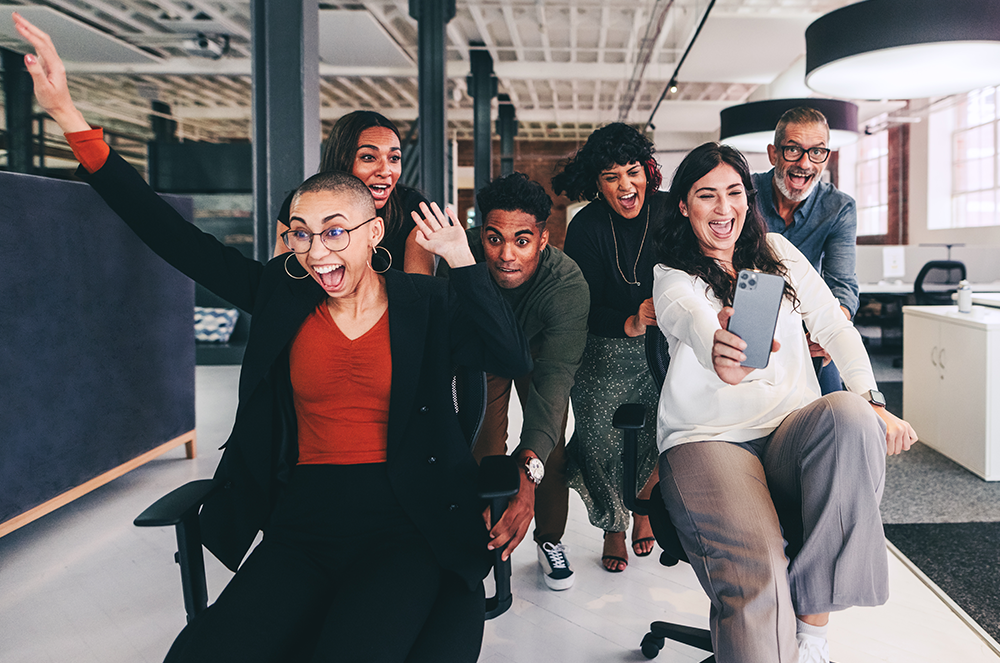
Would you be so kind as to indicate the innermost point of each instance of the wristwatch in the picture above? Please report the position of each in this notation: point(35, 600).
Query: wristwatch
point(534, 469)
point(875, 397)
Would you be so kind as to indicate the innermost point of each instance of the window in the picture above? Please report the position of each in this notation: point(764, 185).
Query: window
point(873, 184)
point(975, 187)
point(864, 168)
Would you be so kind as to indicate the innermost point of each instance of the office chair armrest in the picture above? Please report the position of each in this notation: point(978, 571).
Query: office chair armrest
point(630, 418)
point(179, 508)
point(499, 480)
point(177, 505)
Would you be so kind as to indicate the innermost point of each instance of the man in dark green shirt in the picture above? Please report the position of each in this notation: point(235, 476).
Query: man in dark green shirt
point(551, 300)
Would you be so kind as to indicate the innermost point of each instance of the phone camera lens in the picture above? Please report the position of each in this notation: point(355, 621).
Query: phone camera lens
point(744, 275)
point(743, 285)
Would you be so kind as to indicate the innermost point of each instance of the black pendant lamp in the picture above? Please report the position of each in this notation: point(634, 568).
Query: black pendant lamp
point(750, 127)
point(904, 49)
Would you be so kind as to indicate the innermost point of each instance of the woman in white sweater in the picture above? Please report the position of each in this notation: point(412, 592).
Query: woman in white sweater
point(752, 458)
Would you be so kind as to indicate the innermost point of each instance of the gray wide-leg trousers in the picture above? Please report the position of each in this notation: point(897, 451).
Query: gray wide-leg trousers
point(819, 476)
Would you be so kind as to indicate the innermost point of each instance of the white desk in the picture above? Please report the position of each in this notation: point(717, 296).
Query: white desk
point(885, 288)
point(903, 288)
point(951, 383)
point(991, 299)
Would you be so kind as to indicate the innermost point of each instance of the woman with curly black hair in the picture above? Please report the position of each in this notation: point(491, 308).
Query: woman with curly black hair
point(610, 241)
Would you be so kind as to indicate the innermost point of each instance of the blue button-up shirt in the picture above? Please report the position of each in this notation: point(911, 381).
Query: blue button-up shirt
point(824, 228)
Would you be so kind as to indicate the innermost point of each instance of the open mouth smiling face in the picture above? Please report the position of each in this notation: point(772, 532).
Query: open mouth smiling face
point(796, 179)
point(624, 188)
point(331, 240)
point(717, 208)
point(378, 162)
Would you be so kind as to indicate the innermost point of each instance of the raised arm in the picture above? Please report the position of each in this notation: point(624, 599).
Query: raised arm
point(223, 270)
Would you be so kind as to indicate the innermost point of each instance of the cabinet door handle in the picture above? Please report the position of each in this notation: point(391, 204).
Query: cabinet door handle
point(934, 352)
point(941, 357)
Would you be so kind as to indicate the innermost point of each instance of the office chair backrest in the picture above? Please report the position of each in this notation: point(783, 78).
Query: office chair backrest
point(657, 354)
point(937, 280)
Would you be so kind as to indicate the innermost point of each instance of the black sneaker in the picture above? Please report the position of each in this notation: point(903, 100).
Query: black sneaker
point(555, 566)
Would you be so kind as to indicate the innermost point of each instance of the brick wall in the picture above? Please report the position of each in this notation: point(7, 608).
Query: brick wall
point(539, 160)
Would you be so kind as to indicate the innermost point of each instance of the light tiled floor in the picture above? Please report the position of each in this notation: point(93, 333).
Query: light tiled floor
point(83, 585)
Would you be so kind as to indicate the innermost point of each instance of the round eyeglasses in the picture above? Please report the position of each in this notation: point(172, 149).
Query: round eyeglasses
point(334, 239)
point(793, 153)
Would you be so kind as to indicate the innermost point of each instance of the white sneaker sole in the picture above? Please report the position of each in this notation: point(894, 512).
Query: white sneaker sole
point(556, 584)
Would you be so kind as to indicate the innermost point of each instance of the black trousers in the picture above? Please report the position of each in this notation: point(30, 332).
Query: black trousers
point(341, 575)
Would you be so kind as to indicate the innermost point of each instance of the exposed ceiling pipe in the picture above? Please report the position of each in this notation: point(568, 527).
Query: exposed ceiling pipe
point(672, 85)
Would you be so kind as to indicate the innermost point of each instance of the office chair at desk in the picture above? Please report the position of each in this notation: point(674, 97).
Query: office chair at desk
point(499, 480)
point(936, 282)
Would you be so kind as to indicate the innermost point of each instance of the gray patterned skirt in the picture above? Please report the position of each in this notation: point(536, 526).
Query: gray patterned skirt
point(613, 372)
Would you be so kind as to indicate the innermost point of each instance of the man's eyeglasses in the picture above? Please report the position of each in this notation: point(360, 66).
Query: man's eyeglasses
point(334, 239)
point(793, 153)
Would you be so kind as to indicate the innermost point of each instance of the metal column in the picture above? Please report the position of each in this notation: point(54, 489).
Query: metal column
point(164, 128)
point(507, 129)
point(482, 89)
point(286, 129)
point(432, 17)
point(18, 96)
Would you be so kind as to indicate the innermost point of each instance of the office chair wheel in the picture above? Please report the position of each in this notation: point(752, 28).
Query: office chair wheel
point(651, 645)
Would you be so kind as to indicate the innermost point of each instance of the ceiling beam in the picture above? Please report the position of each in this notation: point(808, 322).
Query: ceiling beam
point(710, 108)
point(538, 71)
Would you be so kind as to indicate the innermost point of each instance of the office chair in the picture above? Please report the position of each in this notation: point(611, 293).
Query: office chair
point(936, 282)
point(630, 418)
point(499, 480)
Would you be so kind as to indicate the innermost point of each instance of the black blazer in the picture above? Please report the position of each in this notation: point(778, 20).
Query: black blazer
point(434, 324)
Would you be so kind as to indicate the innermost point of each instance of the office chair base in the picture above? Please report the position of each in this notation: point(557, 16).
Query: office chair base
point(660, 632)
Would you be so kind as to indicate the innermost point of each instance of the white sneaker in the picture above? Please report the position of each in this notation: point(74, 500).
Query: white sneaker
point(555, 566)
point(813, 649)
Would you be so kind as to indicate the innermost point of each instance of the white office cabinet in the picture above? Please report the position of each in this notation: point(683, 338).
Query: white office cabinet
point(951, 383)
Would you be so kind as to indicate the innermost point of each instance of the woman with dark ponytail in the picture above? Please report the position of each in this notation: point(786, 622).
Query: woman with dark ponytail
point(367, 145)
point(610, 239)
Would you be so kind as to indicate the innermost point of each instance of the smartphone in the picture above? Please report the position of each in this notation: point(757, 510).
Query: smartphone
point(756, 305)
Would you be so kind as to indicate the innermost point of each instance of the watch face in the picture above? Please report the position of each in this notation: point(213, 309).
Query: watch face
point(535, 469)
point(877, 397)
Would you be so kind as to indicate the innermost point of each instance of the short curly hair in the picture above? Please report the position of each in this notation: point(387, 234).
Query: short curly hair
point(512, 193)
point(616, 143)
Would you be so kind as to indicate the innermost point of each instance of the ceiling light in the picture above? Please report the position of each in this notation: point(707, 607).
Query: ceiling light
point(904, 49)
point(750, 127)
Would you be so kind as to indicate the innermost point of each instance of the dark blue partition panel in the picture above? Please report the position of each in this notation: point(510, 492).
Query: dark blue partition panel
point(96, 341)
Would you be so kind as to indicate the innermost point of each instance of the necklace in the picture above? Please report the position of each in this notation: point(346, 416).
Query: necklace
point(635, 267)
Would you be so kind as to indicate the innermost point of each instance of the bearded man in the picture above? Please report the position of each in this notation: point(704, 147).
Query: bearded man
point(815, 216)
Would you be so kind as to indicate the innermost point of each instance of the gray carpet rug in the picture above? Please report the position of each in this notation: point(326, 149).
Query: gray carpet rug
point(946, 520)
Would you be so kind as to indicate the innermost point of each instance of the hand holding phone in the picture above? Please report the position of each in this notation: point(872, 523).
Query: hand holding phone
point(756, 305)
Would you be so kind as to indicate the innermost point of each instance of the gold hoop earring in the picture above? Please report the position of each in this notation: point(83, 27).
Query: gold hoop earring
point(375, 253)
point(297, 278)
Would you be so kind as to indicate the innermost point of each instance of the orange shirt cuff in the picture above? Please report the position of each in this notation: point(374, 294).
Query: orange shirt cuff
point(89, 148)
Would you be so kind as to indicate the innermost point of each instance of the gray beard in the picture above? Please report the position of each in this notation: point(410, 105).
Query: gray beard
point(779, 180)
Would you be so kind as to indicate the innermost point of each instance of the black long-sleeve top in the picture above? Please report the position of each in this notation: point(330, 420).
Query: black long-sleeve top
point(589, 241)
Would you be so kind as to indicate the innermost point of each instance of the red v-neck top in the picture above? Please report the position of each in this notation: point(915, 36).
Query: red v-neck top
point(340, 387)
point(341, 391)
